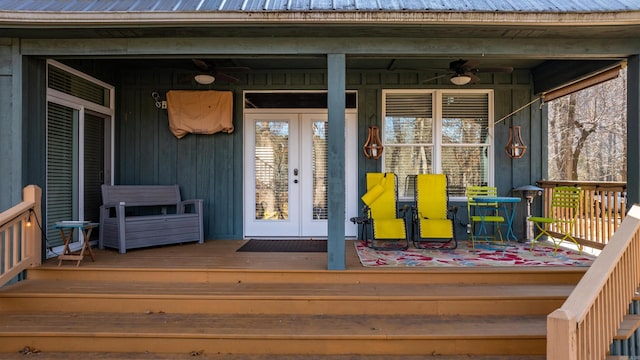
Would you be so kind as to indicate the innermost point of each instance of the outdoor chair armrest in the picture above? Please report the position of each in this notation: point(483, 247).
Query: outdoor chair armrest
point(196, 205)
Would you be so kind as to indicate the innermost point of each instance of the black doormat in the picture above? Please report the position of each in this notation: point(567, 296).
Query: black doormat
point(255, 245)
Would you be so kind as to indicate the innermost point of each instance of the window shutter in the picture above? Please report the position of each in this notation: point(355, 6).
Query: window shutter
point(465, 105)
point(59, 168)
point(409, 105)
point(68, 83)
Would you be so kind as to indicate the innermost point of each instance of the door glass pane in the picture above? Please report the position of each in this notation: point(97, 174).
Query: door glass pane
point(319, 141)
point(272, 170)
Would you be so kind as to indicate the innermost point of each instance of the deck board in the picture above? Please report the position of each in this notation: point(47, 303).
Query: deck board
point(273, 326)
point(222, 254)
point(212, 254)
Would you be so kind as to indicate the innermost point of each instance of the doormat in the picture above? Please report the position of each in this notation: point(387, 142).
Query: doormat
point(512, 254)
point(274, 245)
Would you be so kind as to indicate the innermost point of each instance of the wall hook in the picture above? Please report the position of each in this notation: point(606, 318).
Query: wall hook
point(160, 104)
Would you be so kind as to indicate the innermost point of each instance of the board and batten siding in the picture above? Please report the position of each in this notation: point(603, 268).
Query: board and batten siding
point(10, 125)
point(210, 167)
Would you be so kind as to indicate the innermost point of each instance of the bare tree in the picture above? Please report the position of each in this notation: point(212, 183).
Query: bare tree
point(587, 133)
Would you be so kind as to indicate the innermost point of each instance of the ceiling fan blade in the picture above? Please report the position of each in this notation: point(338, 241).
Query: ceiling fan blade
point(474, 78)
point(437, 77)
point(200, 64)
point(226, 77)
point(470, 64)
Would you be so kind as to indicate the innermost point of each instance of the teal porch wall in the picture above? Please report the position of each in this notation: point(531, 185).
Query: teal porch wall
point(10, 124)
point(210, 166)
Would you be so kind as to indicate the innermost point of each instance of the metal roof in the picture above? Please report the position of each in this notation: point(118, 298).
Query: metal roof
point(536, 6)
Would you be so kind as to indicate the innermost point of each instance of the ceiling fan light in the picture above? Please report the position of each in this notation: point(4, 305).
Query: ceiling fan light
point(460, 79)
point(204, 79)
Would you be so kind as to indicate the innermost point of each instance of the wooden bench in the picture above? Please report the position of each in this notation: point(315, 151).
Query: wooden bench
point(136, 216)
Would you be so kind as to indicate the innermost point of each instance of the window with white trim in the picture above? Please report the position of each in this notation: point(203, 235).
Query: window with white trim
point(438, 131)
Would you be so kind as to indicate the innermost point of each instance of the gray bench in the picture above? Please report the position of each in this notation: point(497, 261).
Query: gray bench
point(136, 216)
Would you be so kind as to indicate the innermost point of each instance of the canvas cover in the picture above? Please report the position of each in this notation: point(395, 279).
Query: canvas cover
point(200, 112)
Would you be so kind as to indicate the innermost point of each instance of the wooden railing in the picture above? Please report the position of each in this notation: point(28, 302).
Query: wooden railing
point(602, 209)
point(583, 328)
point(21, 236)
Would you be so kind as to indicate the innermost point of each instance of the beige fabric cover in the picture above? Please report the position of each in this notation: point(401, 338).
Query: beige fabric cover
point(200, 112)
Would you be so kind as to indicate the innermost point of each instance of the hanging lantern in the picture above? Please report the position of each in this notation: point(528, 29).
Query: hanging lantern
point(515, 147)
point(373, 146)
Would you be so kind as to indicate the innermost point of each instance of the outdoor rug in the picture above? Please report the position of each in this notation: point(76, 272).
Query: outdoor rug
point(263, 245)
point(514, 254)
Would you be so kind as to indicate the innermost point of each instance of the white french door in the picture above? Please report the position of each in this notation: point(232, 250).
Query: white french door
point(286, 174)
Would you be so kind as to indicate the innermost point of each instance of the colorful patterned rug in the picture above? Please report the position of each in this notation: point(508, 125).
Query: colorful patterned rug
point(514, 254)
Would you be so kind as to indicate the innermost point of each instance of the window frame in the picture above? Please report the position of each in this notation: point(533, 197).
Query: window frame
point(437, 140)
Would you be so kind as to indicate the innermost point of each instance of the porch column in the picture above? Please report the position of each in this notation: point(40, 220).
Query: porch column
point(633, 130)
point(11, 124)
point(335, 158)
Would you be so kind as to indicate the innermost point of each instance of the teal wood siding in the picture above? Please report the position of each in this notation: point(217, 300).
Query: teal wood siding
point(10, 135)
point(211, 166)
point(205, 166)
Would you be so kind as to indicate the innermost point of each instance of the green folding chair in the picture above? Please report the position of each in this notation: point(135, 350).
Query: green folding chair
point(563, 213)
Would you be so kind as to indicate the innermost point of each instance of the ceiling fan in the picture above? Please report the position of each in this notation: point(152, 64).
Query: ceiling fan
point(209, 72)
point(463, 72)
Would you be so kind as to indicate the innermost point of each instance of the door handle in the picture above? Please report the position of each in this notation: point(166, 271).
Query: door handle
point(295, 172)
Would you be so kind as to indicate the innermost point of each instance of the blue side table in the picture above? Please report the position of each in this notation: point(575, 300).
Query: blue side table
point(66, 232)
point(509, 215)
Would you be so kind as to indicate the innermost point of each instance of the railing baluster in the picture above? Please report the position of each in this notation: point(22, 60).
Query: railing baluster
point(602, 209)
point(22, 247)
point(585, 325)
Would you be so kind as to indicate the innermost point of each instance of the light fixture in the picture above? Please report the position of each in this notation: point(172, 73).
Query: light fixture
point(515, 147)
point(204, 79)
point(373, 146)
point(460, 79)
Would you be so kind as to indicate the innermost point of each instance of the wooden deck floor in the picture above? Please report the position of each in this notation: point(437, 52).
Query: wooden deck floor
point(213, 254)
point(222, 255)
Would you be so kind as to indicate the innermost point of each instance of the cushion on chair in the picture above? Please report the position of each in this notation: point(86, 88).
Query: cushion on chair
point(389, 229)
point(436, 229)
point(384, 206)
point(432, 204)
point(372, 195)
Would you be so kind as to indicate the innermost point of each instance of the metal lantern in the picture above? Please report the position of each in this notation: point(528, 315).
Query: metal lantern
point(515, 147)
point(373, 146)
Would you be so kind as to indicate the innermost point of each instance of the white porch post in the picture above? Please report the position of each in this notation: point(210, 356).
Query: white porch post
point(336, 65)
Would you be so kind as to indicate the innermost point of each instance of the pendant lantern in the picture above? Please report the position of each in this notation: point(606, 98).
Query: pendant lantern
point(515, 147)
point(373, 146)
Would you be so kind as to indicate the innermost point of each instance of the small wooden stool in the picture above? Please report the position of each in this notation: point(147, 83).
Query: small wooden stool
point(85, 227)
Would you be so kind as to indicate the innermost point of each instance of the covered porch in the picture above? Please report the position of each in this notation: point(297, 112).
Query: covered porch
point(288, 304)
point(409, 54)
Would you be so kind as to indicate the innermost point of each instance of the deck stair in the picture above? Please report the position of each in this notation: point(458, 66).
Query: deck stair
point(306, 314)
